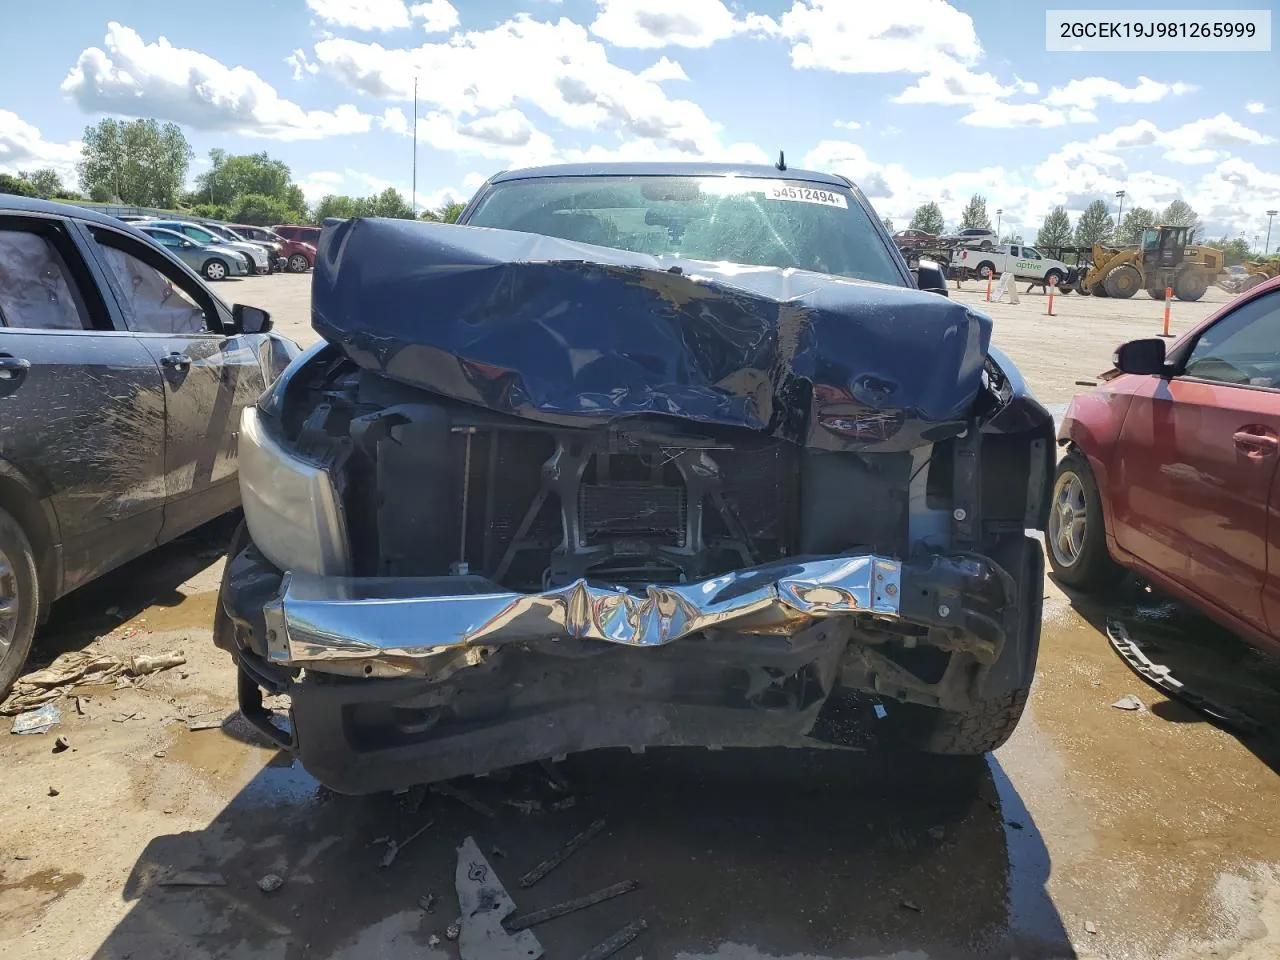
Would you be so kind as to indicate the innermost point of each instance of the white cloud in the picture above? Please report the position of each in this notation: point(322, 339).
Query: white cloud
point(299, 64)
point(140, 79)
point(22, 148)
point(907, 35)
point(951, 83)
point(1218, 131)
point(662, 71)
point(362, 14)
point(555, 68)
point(1194, 157)
point(319, 184)
point(998, 114)
point(847, 124)
point(473, 180)
point(681, 23)
point(1255, 106)
point(437, 16)
point(1085, 93)
point(506, 135)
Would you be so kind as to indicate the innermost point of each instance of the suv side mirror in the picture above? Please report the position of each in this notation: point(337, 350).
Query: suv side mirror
point(931, 278)
point(250, 319)
point(1140, 356)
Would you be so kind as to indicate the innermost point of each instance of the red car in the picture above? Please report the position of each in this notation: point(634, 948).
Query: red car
point(1170, 470)
point(914, 239)
point(299, 256)
point(303, 234)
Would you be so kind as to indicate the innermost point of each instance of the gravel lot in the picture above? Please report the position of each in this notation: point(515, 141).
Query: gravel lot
point(1094, 833)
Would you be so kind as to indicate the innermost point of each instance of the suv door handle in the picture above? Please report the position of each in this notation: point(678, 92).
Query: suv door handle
point(13, 370)
point(176, 361)
point(1256, 446)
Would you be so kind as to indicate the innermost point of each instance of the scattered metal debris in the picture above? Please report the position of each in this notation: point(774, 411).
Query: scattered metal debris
point(77, 668)
point(271, 883)
point(561, 855)
point(571, 906)
point(61, 745)
point(1128, 702)
point(125, 717)
point(80, 702)
point(527, 807)
point(36, 721)
point(484, 904)
point(910, 905)
point(568, 803)
point(394, 848)
point(453, 930)
point(455, 793)
point(497, 851)
point(880, 711)
point(1090, 927)
point(1013, 824)
point(194, 878)
point(433, 941)
point(610, 946)
point(159, 754)
point(428, 903)
point(1160, 676)
point(54, 791)
point(212, 723)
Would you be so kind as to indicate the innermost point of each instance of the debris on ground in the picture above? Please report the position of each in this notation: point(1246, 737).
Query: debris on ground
point(466, 799)
point(497, 851)
point(607, 948)
point(484, 904)
point(36, 721)
point(1162, 677)
point(937, 833)
point(433, 941)
point(568, 803)
point(209, 723)
point(1128, 702)
point(910, 905)
point(54, 791)
point(571, 906)
point(394, 848)
point(1090, 927)
point(271, 883)
point(428, 903)
point(125, 717)
point(78, 668)
point(554, 777)
point(61, 745)
point(194, 878)
point(1013, 824)
point(453, 930)
point(561, 855)
point(527, 807)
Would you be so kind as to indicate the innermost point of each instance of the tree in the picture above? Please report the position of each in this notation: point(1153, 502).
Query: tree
point(16, 185)
point(233, 175)
point(1012, 238)
point(1056, 229)
point(927, 218)
point(261, 210)
point(389, 203)
point(334, 205)
point(1233, 251)
point(1135, 222)
point(1180, 214)
point(140, 162)
point(446, 213)
point(45, 182)
point(1095, 225)
point(888, 223)
point(975, 213)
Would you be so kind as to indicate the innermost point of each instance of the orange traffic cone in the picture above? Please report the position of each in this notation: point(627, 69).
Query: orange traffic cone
point(1168, 305)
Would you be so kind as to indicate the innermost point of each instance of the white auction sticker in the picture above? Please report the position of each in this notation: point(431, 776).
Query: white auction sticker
point(773, 190)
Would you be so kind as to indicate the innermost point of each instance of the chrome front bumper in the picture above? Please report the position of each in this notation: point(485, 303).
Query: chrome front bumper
point(417, 626)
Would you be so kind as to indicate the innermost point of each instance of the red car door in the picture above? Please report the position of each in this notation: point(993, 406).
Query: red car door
point(1197, 459)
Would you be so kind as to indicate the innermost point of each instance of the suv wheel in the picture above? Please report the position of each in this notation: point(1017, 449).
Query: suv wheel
point(1076, 535)
point(19, 601)
point(299, 264)
point(214, 270)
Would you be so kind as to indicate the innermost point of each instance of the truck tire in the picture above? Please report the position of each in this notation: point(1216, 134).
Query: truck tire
point(984, 246)
point(19, 600)
point(986, 269)
point(992, 719)
point(1081, 562)
point(1051, 275)
point(1098, 290)
point(1123, 282)
point(1155, 293)
point(1190, 285)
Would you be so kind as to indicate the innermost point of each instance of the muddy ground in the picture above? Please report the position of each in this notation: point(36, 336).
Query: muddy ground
point(1095, 832)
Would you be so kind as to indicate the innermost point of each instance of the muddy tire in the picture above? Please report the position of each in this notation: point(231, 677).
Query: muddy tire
point(1122, 282)
point(992, 720)
point(1098, 290)
point(1190, 285)
point(1156, 293)
point(1076, 535)
point(19, 600)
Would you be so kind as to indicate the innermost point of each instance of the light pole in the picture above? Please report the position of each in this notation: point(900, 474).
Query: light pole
point(1120, 210)
point(999, 214)
point(413, 197)
point(1267, 248)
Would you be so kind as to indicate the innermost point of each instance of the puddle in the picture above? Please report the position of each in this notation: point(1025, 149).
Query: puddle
point(259, 776)
point(23, 902)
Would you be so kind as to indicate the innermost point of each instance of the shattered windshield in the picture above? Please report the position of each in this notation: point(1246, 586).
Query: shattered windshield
point(762, 222)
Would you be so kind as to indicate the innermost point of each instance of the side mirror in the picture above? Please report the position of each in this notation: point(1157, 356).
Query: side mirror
point(252, 319)
point(931, 278)
point(1140, 356)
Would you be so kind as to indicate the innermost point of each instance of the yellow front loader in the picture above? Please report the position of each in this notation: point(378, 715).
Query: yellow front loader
point(1163, 260)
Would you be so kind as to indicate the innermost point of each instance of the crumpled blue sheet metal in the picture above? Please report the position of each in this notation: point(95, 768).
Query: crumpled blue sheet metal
point(343, 624)
point(575, 334)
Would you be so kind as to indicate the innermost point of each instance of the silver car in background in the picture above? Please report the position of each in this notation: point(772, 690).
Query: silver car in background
point(194, 231)
point(210, 261)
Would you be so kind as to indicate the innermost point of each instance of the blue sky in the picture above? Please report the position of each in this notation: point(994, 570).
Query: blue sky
point(915, 99)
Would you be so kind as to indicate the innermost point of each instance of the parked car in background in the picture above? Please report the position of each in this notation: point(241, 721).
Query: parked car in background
point(275, 251)
point(571, 482)
point(122, 380)
point(194, 231)
point(914, 239)
point(213, 263)
point(1170, 470)
point(975, 237)
point(306, 234)
point(299, 256)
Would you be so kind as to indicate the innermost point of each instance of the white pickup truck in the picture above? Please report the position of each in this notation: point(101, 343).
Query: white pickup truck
point(1027, 263)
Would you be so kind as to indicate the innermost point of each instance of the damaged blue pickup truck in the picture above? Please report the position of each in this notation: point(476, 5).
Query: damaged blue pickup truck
point(635, 455)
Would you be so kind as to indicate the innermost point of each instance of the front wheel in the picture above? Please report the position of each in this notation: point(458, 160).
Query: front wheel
point(985, 245)
point(1055, 277)
point(299, 264)
point(19, 600)
point(214, 270)
point(1076, 534)
point(986, 269)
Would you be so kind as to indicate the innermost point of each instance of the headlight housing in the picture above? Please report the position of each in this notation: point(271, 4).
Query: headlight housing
point(290, 505)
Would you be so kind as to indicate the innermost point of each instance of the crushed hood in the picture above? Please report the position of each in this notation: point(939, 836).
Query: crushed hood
point(576, 334)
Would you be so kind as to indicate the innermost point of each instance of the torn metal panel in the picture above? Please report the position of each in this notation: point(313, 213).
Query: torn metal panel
point(577, 334)
point(329, 620)
point(483, 903)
